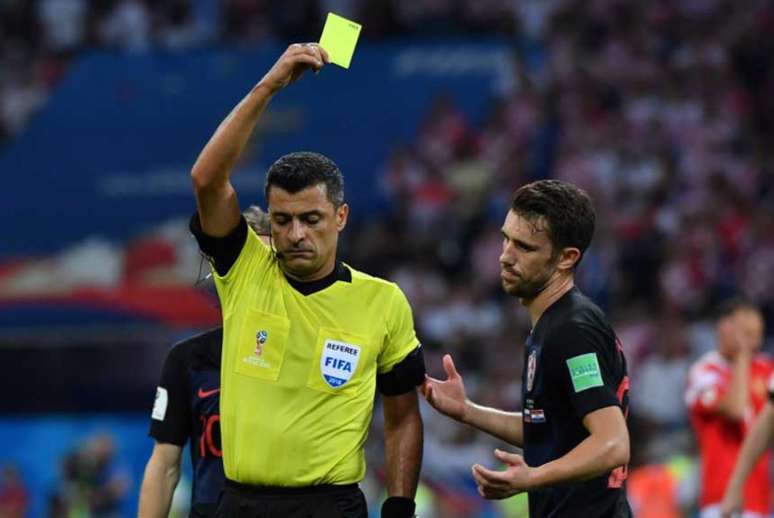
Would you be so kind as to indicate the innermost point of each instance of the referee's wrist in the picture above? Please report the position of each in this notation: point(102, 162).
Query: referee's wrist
point(398, 507)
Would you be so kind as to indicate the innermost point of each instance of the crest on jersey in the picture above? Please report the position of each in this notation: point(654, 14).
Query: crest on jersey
point(531, 368)
point(260, 339)
point(338, 362)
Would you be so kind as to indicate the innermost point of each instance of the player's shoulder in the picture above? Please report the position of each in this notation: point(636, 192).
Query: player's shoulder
point(203, 345)
point(576, 314)
point(764, 360)
point(708, 374)
point(709, 362)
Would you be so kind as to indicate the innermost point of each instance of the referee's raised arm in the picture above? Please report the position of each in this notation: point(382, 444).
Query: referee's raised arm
point(216, 198)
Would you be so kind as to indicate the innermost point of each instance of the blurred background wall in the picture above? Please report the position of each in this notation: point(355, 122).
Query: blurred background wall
point(663, 111)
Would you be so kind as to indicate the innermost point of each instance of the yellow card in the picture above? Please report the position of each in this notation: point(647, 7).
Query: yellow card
point(339, 37)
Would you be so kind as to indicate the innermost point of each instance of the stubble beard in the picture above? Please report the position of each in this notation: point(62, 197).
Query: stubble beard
point(529, 289)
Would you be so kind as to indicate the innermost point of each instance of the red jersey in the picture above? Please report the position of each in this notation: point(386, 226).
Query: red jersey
point(719, 438)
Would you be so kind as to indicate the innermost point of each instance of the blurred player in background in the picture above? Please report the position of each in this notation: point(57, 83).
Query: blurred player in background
point(574, 386)
point(187, 408)
point(727, 389)
point(306, 339)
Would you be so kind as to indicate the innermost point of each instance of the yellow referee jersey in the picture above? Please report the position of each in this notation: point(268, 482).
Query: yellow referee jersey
point(298, 373)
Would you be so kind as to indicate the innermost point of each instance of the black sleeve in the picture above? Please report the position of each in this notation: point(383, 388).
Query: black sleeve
point(583, 360)
point(171, 415)
point(222, 251)
point(404, 376)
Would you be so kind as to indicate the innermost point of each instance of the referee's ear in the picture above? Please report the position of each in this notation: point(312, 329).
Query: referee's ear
point(405, 376)
point(342, 213)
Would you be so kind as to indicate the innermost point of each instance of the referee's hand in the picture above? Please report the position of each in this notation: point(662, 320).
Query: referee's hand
point(297, 59)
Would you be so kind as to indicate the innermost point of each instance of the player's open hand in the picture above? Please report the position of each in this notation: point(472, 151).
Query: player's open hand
point(448, 397)
point(297, 59)
point(495, 485)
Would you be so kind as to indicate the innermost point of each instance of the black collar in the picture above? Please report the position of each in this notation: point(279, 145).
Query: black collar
point(339, 273)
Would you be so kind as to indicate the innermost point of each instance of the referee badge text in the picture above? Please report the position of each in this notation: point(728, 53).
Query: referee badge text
point(338, 362)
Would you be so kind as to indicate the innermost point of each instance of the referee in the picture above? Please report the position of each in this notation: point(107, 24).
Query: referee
point(306, 339)
point(187, 408)
point(574, 387)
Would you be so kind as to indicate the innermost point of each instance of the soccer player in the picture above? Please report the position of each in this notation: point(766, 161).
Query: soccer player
point(187, 407)
point(726, 391)
point(574, 387)
point(306, 338)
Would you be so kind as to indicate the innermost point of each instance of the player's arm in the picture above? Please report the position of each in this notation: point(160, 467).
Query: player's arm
point(403, 436)
point(215, 195)
point(606, 448)
point(170, 428)
point(753, 447)
point(735, 401)
point(449, 397)
point(161, 476)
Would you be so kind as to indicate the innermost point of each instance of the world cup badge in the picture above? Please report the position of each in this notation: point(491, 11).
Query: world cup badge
point(260, 339)
point(531, 367)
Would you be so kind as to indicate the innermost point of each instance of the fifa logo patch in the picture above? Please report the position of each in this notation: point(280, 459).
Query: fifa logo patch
point(531, 368)
point(260, 339)
point(256, 359)
point(338, 362)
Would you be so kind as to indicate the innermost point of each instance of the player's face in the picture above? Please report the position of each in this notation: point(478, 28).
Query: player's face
point(305, 229)
point(742, 328)
point(527, 262)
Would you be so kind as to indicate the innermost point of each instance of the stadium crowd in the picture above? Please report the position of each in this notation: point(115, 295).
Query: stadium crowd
point(658, 109)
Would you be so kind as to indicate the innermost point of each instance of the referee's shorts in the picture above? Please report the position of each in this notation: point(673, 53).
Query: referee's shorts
point(323, 501)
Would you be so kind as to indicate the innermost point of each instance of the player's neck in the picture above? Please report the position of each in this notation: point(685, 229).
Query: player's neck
point(552, 292)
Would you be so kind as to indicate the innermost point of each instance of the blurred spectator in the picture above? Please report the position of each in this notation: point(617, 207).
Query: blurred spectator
point(13, 495)
point(661, 376)
point(92, 483)
point(126, 26)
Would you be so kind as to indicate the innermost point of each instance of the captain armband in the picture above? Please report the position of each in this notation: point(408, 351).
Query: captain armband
point(404, 376)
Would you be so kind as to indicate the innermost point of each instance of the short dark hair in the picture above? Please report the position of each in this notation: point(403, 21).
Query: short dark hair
point(565, 208)
point(295, 172)
point(732, 305)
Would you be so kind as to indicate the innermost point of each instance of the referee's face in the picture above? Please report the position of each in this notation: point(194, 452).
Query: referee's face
point(527, 262)
point(305, 229)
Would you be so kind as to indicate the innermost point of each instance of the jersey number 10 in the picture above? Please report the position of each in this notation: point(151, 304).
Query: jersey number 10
point(206, 441)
